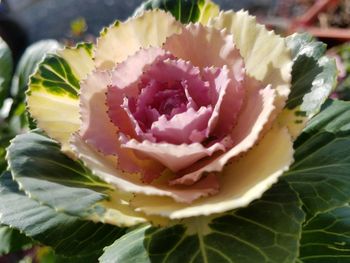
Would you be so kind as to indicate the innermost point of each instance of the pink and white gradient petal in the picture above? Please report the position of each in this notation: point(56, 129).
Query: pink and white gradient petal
point(255, 115)
point(105, 168)
point(124, 83)
point(175, 157)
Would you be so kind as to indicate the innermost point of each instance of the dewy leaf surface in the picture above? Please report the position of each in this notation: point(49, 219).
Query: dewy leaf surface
point(326, 238)
point(50, 177)
point(321, 172)
point(68, 235)
point(267, 230)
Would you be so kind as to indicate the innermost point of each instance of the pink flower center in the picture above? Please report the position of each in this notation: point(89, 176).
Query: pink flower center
point(157, 99)
point(175, 102)
point(170, 100)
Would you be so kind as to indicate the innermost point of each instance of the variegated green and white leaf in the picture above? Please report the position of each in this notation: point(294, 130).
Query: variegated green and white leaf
point(79, 59)
point(53, 92)
point(314, 77)
point(184, 11)
point(28, 63)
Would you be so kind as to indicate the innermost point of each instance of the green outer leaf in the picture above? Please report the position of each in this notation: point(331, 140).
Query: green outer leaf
point(268, 230)
point(185, 11)
point(314, 76)
point(321, 172)
point(305, 44)
point(55, 76)
point(68, 235)
point(326, 238)
point(28, 63)
point(11, 240)
point(50, 177)
point(6, 67)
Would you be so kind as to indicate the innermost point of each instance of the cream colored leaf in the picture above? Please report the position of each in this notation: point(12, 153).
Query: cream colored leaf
point(52, 97)
point(242, 181)
point(58, 116)
point(79, 58)
point(121, 40)
point(105, 167)
point(208, 10)
point(119, 212)
point(265, 54)
point(294, 119)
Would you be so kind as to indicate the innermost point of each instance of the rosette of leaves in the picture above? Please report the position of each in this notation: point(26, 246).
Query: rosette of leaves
point(304, 217)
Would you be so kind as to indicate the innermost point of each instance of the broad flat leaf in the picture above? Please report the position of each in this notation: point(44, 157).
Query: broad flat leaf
point(6, 67)
point(45, 174)
point(11, 240)
point(321, 172)
point(185, 11)
point(28, 63)
point(55, 76)
point(68, 235)
point(268, 230)
point(50, 177)
point(52, 96)
point(326, 238)
point(314, 77)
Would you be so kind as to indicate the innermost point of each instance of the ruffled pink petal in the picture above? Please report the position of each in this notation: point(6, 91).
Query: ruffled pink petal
point(124, 83)
point(174, 157)
point(206, 47)
point(129, 106)
point(117, 114)
point(210, 183)
point(254, 116)
point(104, 167)
point(179, 128)
point(179, 70)
point(97, 129)
point(176, 85)
point(230, 107)
point(161, 100)
point(220, 52)
point(227, 98)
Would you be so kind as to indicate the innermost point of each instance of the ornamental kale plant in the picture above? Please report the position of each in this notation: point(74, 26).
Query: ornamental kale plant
point(184, 134)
